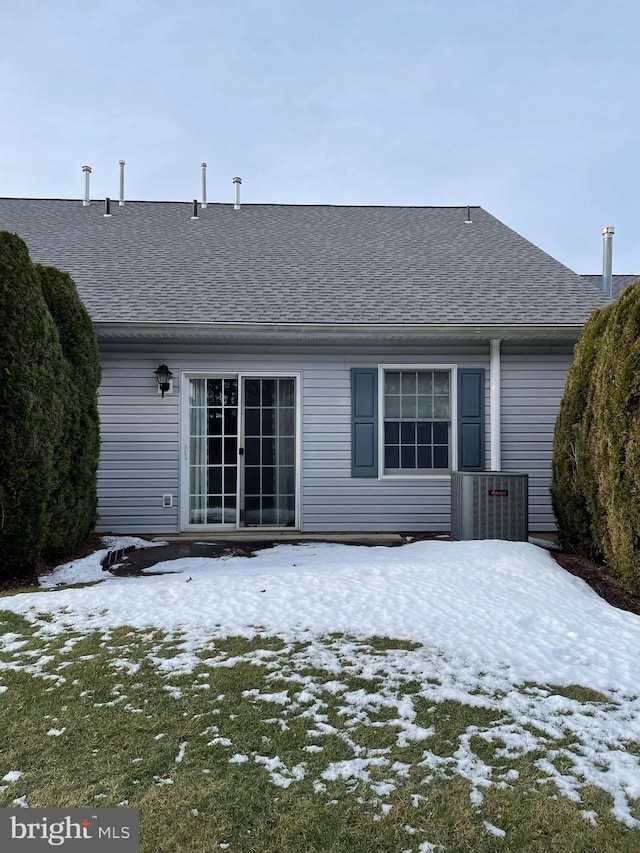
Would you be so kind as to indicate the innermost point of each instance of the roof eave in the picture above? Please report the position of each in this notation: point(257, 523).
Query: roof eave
point(294, 333)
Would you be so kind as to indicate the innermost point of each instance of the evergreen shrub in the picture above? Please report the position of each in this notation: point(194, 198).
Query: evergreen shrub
point(31, 407)
point(74, 499)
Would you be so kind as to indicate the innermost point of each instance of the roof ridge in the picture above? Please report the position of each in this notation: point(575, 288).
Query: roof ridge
point(259, 203)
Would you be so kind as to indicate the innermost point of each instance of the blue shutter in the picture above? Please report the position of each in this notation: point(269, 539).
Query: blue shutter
point(364, 422)
point(471, 419)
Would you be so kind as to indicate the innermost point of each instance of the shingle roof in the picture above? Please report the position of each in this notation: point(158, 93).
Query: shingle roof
point(299, 264)
point(618, 282)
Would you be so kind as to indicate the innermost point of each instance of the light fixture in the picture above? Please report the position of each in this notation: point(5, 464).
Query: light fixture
point(163, 375)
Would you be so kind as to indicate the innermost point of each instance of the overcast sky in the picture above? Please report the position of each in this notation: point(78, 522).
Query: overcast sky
point(528, 108)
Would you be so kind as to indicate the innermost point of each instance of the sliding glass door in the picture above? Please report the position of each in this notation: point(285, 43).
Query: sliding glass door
point(240, 454)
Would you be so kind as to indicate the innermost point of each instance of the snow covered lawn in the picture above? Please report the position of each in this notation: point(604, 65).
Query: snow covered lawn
point(369, 680)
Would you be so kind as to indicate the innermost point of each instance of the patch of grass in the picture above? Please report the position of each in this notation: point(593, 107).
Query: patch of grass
point(95, 725)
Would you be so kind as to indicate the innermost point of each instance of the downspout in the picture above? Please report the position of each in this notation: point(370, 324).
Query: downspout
point(494, 402)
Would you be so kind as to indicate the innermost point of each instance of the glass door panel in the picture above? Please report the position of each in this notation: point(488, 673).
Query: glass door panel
point(213, 451)
point(269, 475)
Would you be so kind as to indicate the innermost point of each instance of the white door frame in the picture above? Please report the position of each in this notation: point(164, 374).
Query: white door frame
point(183, 498)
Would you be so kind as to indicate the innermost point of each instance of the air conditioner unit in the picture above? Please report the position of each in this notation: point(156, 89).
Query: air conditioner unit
point(490, 505)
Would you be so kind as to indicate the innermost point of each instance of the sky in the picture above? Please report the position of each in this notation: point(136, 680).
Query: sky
point(528, 109)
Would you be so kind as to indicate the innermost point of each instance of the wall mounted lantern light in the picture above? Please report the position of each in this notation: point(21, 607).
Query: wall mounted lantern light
point(163, 375)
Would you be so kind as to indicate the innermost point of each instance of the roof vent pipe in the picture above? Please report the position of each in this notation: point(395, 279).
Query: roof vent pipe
point(194, 215)
point(236, 193)
point(86, 201)
point(107, 207)
point(203, 166)
point(121, 164)
point(607, 259)
point(468, 220)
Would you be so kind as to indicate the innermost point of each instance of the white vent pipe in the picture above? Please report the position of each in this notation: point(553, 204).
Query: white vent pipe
point(607, 259)
point(86, 201)
point(203, 166)
point(236, 193)
point(121, 164)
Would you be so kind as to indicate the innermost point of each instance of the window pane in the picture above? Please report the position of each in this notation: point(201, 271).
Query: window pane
point(230, 392)
point(214, 451)
point(424, 457)
point(424, 433)
point(408, 382)
point(230, 421)
point(408, 433)
point(286, 479)
point(408, 457)
point(230, 450)
point(440, 382)
point(252, 480)
point(441, 407)
point(392, 406)
point(441, 433)
point(252, 392)
point(214, 392)
point(425, 383)
point(392, 432)
point(286, 421)
point(409, 407)
point(252, 451)
point(268, 421)
point(197, 392)
point(230, 479)
point(286, 397)
point(268, 480)
point(268, 451)
point(287, 451)
point(425, 407)
point(214, 421)
point(252, 422)
point(214, 481)
point(392, 382)
point(392, 457)
point(268, 392)
point(440, 457)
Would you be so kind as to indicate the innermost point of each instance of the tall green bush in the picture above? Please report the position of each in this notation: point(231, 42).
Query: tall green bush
point(573, 490)
point(74, 499)
point(31, 409)
point(614, 439)
point(595, 485)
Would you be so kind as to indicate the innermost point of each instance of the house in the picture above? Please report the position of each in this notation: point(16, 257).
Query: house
point(329, 366)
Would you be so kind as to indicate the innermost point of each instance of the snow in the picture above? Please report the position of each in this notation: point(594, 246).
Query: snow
point(490, 624)
point(89, 569)
point(12, 776)
point(505, 607)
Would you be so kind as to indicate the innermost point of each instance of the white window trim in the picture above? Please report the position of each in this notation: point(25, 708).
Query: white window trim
point(453, 399)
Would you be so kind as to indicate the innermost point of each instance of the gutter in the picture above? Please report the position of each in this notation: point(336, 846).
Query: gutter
point(355, 332)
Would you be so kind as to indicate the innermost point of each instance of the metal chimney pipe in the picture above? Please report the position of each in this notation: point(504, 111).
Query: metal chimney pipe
point(107, 207)
point(468, 220)
point(86, 201)
point(121, 164)
point(236, 193)
point(194, 215)
point(607, 259)
point(204, 184)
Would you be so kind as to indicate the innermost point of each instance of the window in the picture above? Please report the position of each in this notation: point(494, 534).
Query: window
point(417, 421)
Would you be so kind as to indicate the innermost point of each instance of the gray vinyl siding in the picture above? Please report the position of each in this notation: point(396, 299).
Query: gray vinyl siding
point(140, 455)
point(532, 387)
